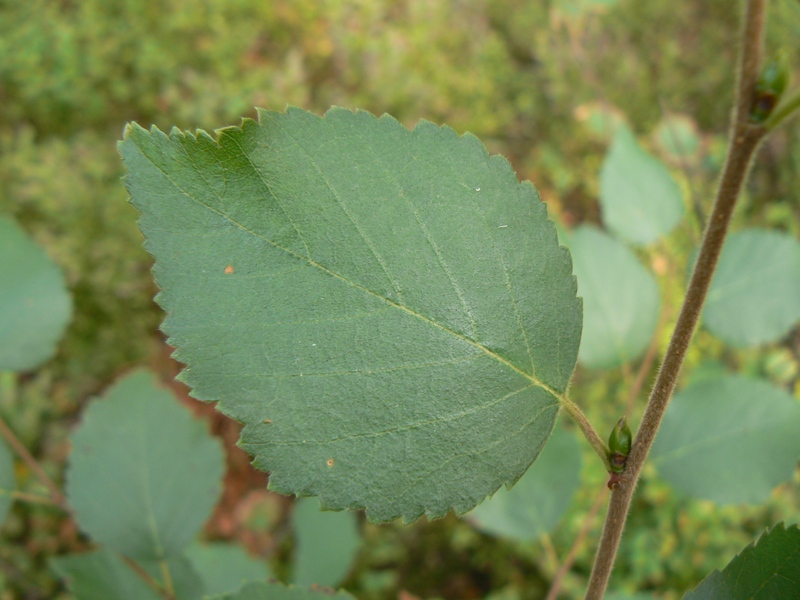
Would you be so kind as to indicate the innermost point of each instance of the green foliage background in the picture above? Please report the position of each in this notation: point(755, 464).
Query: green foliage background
point(528, 78)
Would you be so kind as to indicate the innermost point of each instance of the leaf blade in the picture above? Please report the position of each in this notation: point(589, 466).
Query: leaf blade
point(730, 440)
point(767, 569)
point(35, 305)
point(621, 299)
point(143, 475)
point(639, 198)
point(755, 294)
point(423, 271)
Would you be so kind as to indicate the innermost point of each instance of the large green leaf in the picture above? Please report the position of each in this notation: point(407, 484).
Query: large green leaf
point(537, 502)
point(325, 543)
point(620, 298)
point(143, 475)
point(8, 480)
point(34, 303)
point(224, 567)
point(755, 295)
point(276, 591)
point(388, 311)
point(731, 440)
point(766, 570)
point(639, 198)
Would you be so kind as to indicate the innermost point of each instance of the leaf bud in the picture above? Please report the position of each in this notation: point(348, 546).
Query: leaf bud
point(770, 86)
point(619, 446)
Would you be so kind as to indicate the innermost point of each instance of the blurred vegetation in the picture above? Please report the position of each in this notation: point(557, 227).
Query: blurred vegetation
point(540, 82)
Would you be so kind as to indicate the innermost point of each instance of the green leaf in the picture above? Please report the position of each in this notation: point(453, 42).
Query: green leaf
point(7, 480)
point(731, 440)
point(276, 591)
point(755, 294)
point(387, 311)
point(101, 575)
point(620, 298)
point(639, 198)
point(35, 305)
point(143, 475)
point(224, 567)
point(678, 139)
point(536, 503)
point(766, 570)
point(186, 580)
point(325, 543)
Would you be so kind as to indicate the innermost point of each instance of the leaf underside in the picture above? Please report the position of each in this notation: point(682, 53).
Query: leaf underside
point(387, 311)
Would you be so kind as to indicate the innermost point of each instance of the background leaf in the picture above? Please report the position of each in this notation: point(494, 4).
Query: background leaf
point(766, 570)
point(101, 575)
point(224, 567)
point(143, 475)
point(620, 299)
point(35, 305)
point(755, 295)
point(7, 480)
point(678, 139)
point(639, 198)
point(388, 311)
point(325, 543)
point(276, 591)
point(731, 440)
point(186, 580)
point(539, 499)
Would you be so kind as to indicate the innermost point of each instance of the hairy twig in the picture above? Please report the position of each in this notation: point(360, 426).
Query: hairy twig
point(745, 139)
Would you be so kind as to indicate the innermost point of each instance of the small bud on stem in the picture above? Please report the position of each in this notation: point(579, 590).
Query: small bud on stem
point(770, 86)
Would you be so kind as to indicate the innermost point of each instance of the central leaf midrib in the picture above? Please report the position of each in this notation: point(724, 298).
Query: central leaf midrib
point(533, 379)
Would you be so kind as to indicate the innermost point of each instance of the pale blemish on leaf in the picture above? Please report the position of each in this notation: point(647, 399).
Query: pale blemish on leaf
point(228, 269)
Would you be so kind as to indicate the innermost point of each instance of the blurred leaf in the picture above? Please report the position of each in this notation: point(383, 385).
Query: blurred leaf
point(624, 596)
point(224, 567)
point(639, 198)
point(620, 299)
point(276, 591)
point(325, 543)
point(102, 575)
point(143, 475)
point(601, 119)
point(375, 304)
point(755, 295)
point(537, 502)
point(730, 440)
point(7, 480)
point(576, 8)
point(766, 570)
point(186, 580)
point(35, 305)
point(678, 139)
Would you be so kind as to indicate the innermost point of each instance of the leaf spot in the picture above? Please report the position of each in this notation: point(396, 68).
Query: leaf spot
point(228, 269)
point(267, 421)
point(329, 462)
